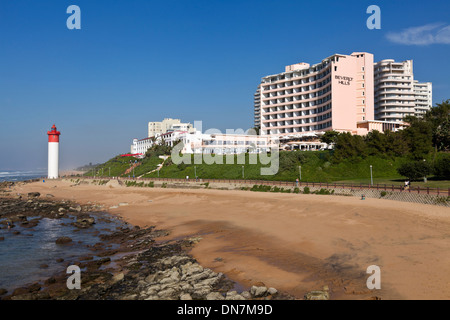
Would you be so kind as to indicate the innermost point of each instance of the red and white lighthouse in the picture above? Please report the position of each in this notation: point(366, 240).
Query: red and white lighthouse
point(53, 153)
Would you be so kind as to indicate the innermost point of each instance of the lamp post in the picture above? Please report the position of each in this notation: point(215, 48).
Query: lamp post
point(242, 172)
point(424, 177)
point(371, 178)
point(195, 172)
point(300, 172)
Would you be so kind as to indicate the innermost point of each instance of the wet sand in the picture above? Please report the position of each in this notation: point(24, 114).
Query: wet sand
point(293, 242)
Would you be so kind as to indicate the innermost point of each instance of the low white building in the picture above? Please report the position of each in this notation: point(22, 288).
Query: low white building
point(140, 147)
point(309, 141)
point(197, 142)
point(226, 143)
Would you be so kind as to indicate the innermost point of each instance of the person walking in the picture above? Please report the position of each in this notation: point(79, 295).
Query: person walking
point(406, 185)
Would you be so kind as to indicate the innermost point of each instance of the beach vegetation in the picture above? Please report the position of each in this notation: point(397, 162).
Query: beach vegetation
point(323, 191)
point(415, 170)
point(441, 168)
point(260, 188)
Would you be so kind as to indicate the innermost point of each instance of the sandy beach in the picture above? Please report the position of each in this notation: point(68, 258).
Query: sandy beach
point(293, 242)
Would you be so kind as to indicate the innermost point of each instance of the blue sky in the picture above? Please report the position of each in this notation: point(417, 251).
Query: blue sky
point(139, 61)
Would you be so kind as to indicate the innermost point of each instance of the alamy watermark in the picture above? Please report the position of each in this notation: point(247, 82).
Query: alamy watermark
point(74, 20)
point(374, 21)
point(374, 281)
point(74, 281)
point(212, 146)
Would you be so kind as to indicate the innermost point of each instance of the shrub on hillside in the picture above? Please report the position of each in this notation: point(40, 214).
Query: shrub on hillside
point(414, 170)
point(290, 160)
point(442, 168)
point(158, 150)
point(348, 146)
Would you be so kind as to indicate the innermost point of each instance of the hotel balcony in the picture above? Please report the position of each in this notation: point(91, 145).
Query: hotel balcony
point(395, 98)
point(396, 104)
point(392, 85)
point(394, 115)
point(391, 80)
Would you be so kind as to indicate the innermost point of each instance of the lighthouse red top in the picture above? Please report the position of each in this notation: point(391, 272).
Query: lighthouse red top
point(53, 135)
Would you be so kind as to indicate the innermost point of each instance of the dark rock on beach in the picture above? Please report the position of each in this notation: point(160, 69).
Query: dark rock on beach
point(63, 240)
point(49, 281)
point(33, 195)
point(84, 221)
point(20, 291)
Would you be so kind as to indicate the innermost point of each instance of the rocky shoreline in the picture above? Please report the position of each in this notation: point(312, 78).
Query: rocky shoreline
point(127, 264)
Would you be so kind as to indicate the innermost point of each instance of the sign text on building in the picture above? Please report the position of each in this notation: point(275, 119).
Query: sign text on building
point(344, 80)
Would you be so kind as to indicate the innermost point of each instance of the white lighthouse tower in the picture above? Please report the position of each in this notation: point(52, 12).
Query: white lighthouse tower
point(53, 153)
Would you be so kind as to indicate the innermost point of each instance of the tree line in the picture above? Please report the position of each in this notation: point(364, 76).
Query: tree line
point(425, 142)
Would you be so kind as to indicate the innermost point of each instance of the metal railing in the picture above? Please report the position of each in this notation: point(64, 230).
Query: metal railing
point(326, 185)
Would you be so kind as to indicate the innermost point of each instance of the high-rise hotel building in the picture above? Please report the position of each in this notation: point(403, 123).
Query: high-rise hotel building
point(347, 93)
point(397, 94)
point(424, 97)
point(257, 104)
point(335, 94)
point(394, 91)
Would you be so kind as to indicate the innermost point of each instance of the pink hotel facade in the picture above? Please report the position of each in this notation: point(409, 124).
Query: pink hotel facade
point(335, 94)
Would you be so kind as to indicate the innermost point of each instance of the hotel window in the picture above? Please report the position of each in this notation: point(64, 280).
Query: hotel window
point(335, 68)
point(362, 68)
point(363, 93)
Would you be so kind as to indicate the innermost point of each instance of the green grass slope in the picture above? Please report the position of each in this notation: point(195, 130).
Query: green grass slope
point(316, 166)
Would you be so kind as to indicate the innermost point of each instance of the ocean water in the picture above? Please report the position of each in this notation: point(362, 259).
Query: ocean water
point(22, 255)
point(8, 175)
